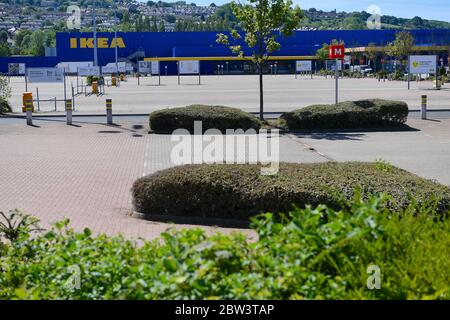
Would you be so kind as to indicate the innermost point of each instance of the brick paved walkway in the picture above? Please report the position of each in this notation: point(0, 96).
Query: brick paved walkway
point(84, 173)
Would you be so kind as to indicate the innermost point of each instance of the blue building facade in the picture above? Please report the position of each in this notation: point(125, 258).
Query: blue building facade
point(71, 46)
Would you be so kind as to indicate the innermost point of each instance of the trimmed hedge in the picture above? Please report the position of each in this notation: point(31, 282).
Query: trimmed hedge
point(4, 106)
point(239, 190)
point(212, 117)
point(348, 115)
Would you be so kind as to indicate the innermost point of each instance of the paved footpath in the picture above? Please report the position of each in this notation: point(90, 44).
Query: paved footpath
point(85, 172)
point(424, 150)
point(82, 173)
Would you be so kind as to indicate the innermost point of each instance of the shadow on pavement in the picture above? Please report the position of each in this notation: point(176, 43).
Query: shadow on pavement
point(331, 136)
point(198, 221)
point(349, 134)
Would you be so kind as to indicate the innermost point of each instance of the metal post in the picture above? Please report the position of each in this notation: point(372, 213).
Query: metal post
point(165, 67)
point(199, 73)
point(178, 68)
point(94, 30)
point(29, 111)
point(115, 35)
point(69, 112)
point(109, 116)
point(55, 103)
point(65, 89)
point(337, 81)
point(73, 98)
point(26, 83)
point(423, 111)
point(37, 99)
point(409, 74)
point(159, 77)
point(437, 81)
point(139, 81)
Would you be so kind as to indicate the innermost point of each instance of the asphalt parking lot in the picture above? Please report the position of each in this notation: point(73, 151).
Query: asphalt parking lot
point(282, 93)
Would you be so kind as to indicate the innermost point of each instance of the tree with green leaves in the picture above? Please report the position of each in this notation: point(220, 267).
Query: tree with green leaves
point(401, 46)
point(322, 54)
point(162, 26)
point(154, 26)
point(259, 22)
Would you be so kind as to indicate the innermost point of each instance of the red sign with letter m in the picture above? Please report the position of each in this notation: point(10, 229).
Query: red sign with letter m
point(337, 52)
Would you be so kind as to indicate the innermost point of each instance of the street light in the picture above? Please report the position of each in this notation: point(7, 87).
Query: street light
point(94, 30)
point(115, 36)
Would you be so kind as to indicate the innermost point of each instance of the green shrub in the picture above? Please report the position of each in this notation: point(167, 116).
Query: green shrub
point(348, 115)
point(315, 253)
point(100, 80)
point(212, 117)
point(398, 75)
point(239, 190)
point(4, 106)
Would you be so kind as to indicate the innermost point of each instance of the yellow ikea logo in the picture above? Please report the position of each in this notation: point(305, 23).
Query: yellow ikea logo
point(102, 43)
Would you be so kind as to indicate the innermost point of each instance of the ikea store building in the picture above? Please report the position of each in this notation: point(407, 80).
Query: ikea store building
point(170, 47)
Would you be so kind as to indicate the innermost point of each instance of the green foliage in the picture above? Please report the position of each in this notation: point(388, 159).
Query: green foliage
point(323, 52)
point(16, 225)
point(257, 21)
point(383, 165)
point(212, 117)
point(5, 94)
point(4, 106)
point(89, 79)
point(347, 115)
point(239, 190)
point(312, 253)
point(401, 46)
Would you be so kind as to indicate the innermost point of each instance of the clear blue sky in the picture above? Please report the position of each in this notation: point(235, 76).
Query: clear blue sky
point(427, 9)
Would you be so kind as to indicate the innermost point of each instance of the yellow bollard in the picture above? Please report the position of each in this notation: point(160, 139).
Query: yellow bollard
point(114, 81)
point(122, 77)
point(94, 87)
point(109, 116)
point(26, 98)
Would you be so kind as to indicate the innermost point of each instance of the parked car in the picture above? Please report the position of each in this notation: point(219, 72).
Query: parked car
point(364, 69)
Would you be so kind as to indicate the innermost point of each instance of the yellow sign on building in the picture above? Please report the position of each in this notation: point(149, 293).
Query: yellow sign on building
point(102, 43)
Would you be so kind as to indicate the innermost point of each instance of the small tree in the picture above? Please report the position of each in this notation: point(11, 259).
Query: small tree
point(258, 22)
point(323, 54)
point(401, 46)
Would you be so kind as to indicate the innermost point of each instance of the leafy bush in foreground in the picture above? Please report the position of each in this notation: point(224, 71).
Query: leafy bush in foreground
point(239, 190)
point(313, 253)
point(212, 117)
point(4, 106)
point(348, 115)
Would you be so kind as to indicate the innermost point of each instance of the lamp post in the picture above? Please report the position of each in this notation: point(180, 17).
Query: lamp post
point(115, 36)
point(94, 30)
point(227, 66)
